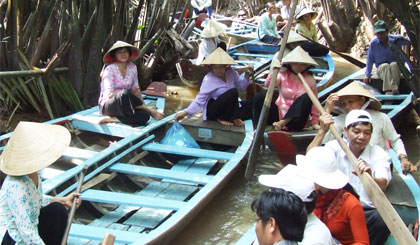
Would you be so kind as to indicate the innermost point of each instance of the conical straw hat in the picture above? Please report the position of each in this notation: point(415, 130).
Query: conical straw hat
point(295, 37)
point(219, 57)
point(307, 11)
point(355, 88)
point(120, 44)
point(32, 147)
point(213, 29)
point(298, 55)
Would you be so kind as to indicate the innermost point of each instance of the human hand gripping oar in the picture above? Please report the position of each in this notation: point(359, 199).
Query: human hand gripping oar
point(382, 204)
point(253, 154)
point(73, 207)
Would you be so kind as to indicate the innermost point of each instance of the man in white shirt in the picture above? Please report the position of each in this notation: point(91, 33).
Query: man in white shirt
point(372, 159)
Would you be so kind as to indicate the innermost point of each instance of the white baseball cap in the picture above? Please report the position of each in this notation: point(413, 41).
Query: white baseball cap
point(290, 179)
point(355, 116)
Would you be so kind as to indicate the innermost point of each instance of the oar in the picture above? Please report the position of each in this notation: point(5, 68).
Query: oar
point(253, 154)
point(73, 207)
point(382, 204)
point(347, 57)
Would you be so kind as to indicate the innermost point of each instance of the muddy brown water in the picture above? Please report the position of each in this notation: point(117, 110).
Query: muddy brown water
point(228, 216)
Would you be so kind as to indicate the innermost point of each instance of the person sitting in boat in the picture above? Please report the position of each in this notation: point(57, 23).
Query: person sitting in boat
point(267, 27)
point(27, 216)
point(202, 6)
point(354, 96)
point(292, 180)
point(218, 95)
point(380, 54)
point(210, 40)
point(338, 208)
point(291, 108)
point(120, 98)
point(306, 28)
point(280, 217)
point(372, 159)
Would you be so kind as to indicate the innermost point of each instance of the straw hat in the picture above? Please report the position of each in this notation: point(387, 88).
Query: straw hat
point(290, 179)
point(319, 164)
point(295, 37)
point(298, 55)
point(213, 29)
point(32, 147)
point(219, 57)
point(355, 88)
point(307, 11)
point(107, 59)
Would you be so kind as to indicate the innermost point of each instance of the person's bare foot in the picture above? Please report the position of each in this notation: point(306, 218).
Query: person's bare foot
point(107, 119)
point(279, 125)
point(224, 122)
point(238, 122)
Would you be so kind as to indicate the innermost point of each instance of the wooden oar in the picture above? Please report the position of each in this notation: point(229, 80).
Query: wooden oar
point(381, 202)
point(253, 154)
point(73, 207)
point(347, 57)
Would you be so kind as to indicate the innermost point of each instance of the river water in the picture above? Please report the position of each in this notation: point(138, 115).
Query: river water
point(228, 216)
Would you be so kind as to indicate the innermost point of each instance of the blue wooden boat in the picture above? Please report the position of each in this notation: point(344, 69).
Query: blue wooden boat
point(135, 188)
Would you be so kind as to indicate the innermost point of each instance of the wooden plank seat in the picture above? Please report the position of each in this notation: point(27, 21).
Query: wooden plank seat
point(253, 55)
point(160, 173)
point(73, 152)
point(97, 233)
point(188, 151)
point(318, 70)
point(130, 199)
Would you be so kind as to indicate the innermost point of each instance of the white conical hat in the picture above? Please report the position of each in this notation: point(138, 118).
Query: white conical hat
point(120, 44)
point(32, 147)
point(307, 11)
point(213, 29)
point(295, 37)
point(298, 55)
point(219, 57)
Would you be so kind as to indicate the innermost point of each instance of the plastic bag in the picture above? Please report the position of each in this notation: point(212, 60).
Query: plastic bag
point(177, 135)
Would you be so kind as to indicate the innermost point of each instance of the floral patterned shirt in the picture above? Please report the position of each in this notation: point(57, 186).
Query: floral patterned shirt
point(113, 82)
point(20, 204)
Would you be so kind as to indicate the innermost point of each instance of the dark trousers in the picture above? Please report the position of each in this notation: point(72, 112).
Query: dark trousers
point(51, 226)
point(226, 107)
point(273, 113)
point(123, 106)
point(208, 11)
point(314, 49)
point(378, 231)
point(270, 39)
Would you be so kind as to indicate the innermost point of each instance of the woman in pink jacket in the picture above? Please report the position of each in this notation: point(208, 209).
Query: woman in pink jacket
point(291, 109)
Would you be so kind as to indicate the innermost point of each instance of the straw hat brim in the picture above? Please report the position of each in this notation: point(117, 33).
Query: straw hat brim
point(120, 44)
point(298, 55)
point(295, 37)
point(32, 147)
point(307, 11)
point(213, 29)
point(219, 57)
point(355, 88)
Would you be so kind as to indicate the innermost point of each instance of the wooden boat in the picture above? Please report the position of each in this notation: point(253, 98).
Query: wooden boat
point(403, 192)
point(287, 144)
point(137, 189)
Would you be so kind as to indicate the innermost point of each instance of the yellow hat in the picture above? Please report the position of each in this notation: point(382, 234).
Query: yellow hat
point(219, 57)
point(107, 59)
point(32, 147)
point(298, 55)
point(355, 88)
point(213, 29)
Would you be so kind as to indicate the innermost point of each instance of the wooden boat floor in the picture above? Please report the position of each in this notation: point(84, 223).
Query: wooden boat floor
point(144, 219)
point(398, 192)
point(213, 131)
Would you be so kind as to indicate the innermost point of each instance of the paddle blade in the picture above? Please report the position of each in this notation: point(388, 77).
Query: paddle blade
point(284, 146)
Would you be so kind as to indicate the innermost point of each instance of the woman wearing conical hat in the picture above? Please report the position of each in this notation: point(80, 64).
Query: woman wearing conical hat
point(291, 108)
point(354, 96)
point(210, 40)
point(304, 24)
point(218, 95)
point(120, 98)
point(27, 216)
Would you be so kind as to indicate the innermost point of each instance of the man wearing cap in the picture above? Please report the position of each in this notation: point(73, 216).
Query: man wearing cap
point(372, 159)
point(280, 218)
point(355, 96)
point(290, 179)
point(381, 55)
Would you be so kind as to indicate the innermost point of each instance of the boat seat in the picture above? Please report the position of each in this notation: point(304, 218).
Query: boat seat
point(130, 199)
point(98, 233)
point(73, 152)
point(318, 70)
point(253, 55)
point(172, 149)
point(391, 96)
point(160, 173)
